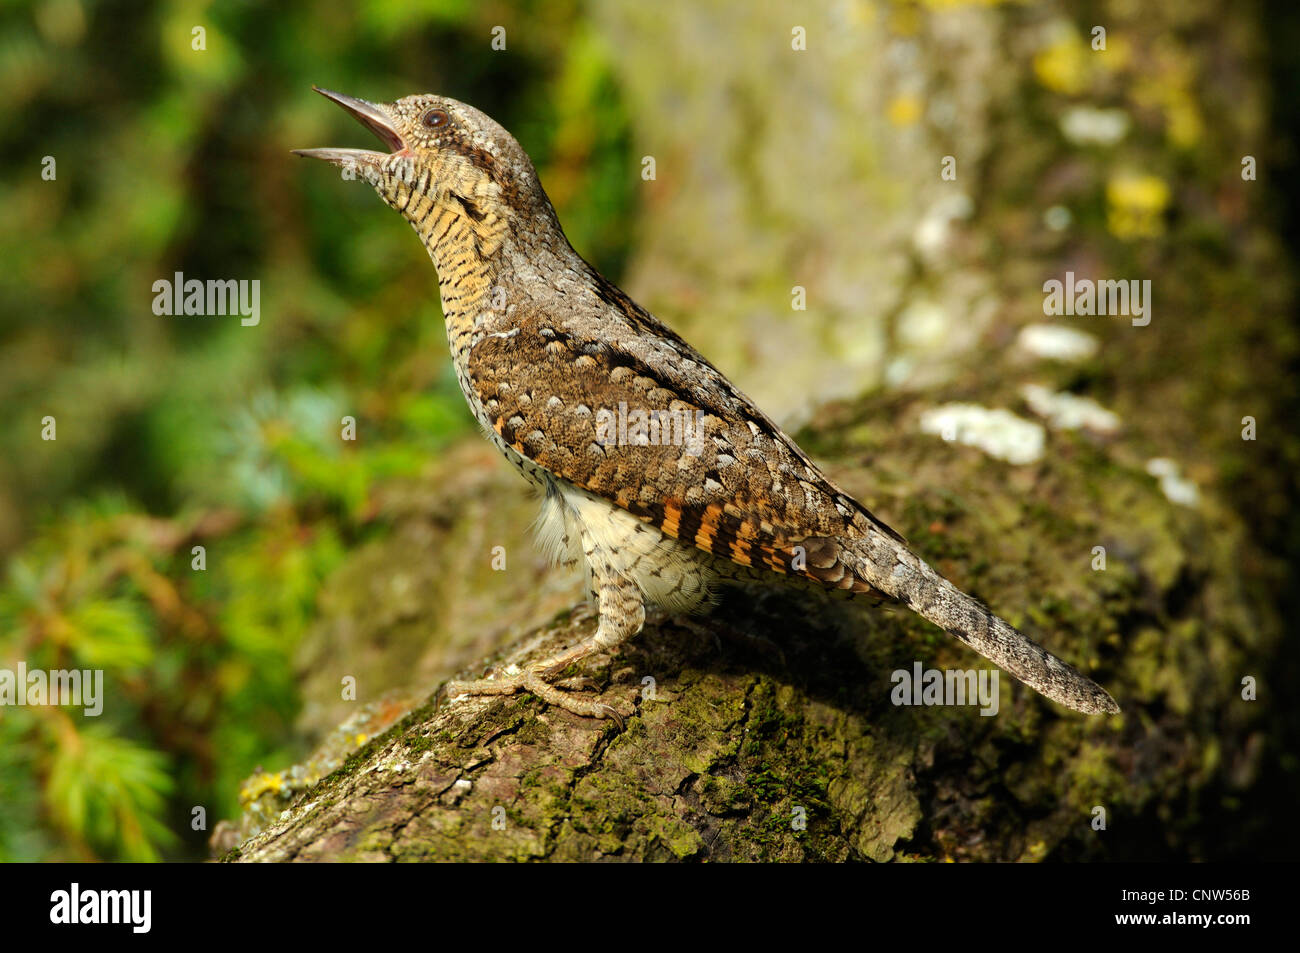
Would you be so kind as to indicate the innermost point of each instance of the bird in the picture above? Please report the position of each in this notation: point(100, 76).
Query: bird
point(658, 477)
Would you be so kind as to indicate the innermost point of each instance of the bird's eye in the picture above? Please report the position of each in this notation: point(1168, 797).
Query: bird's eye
point(436, 118)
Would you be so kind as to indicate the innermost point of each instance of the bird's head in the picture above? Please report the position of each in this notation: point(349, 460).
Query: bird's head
point(443, 156)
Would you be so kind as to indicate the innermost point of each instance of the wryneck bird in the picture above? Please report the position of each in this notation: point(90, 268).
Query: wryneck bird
point(658, 476)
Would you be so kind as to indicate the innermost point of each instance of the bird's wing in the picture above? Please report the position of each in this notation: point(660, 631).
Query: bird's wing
point(712, 471)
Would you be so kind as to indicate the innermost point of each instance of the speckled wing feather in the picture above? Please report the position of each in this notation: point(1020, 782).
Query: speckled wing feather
point(741, 489)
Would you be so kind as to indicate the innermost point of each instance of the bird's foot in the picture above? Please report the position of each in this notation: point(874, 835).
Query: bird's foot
point(541, 681)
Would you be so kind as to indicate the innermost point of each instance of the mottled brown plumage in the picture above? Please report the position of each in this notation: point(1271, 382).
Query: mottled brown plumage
point(658, 475)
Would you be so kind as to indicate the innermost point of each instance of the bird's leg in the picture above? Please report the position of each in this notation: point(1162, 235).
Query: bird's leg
point(622, 614)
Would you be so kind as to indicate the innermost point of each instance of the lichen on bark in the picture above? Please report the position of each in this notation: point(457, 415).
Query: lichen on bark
point(781, 702)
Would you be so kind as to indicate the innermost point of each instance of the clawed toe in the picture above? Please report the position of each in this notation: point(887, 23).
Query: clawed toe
point(536, 683)
point(578, 683)
point(609, 711)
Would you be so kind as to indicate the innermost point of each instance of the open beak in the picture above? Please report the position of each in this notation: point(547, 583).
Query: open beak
point(369, 115)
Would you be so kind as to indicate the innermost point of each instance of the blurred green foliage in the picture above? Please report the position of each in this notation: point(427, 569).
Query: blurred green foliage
point(180, 432)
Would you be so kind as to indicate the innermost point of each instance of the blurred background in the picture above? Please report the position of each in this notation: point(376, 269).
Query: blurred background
point(775, 167)
point(172, 159)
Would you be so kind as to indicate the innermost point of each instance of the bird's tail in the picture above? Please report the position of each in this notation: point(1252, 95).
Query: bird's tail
point(888, 565)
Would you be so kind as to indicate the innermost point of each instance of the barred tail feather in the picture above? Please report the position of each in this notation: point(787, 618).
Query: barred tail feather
point(892, 568)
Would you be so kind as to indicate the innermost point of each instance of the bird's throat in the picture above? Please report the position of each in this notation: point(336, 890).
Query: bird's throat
point(464, 252)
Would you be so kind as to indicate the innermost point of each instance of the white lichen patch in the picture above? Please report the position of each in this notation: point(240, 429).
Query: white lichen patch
point(1088, 126)
point(1176, 487)
point(1064, 411)
point(999, 433)
point(458, 791)
point(1057, 342)
point(923, 325)
point(1058, 218)
point(898, 371)
point(934, 231)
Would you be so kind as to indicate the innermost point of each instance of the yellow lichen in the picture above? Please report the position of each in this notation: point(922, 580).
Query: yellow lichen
point(260, 784)
point(1062, 66)
point(1135, 205)
point(1169, 85)
point(905, 110)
